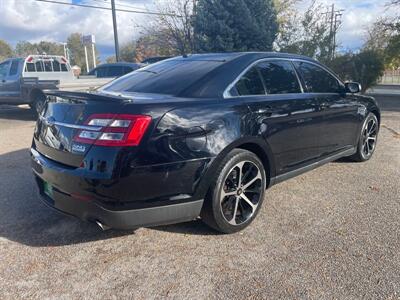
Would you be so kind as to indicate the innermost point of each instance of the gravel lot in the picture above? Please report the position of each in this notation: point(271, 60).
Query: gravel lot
point(331, 233)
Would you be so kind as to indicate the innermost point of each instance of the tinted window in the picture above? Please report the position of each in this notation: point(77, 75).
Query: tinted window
point(250, 84)
point(115, 71)
point(100, 72)
point(14, 68)
point(30, 67)
point(127, 70)
point(56, 66)
point(279, 77)
point(39, 66)
point(47, 66)
point(64, 68)
point(168, 77)
point(4, 69)
point(317, 80)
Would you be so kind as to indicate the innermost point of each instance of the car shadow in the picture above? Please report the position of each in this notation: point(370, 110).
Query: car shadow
point(26, 220)
point(196, 227)
point(21, 113)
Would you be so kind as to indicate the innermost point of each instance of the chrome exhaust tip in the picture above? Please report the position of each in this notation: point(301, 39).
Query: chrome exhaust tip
point(102, 226)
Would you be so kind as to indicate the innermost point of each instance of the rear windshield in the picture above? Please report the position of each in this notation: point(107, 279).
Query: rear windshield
point(167, 77)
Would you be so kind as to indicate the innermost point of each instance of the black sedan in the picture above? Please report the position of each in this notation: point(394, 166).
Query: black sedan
point(199, 135)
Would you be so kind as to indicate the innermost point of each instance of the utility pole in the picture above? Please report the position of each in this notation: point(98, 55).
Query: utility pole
point(115, 30)
point(334, 20)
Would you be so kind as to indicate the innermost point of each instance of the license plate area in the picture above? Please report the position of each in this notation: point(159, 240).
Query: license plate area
point(48, 189)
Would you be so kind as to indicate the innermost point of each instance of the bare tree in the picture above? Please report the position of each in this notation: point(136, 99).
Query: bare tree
point(175, 24)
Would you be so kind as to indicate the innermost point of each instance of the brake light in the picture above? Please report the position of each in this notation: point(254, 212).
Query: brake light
point(29, 59)
point(116, 130)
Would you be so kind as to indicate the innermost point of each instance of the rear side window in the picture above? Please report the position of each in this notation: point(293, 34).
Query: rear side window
point(250, 84)
point(47, 66)
point(56, 66)
point(14, 68)
point(30, 67)
point(39, 66)
point(279, 77)
point(317, 80)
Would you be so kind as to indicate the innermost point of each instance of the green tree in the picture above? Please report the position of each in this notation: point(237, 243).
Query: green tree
point(235, 25)
point(5, 50)
point(305, 34)
point(365, 67)
point(77, 52)
point(25, 48)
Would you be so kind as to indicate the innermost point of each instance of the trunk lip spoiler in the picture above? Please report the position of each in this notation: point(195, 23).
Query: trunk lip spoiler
point(50, 121)
point(87, 96)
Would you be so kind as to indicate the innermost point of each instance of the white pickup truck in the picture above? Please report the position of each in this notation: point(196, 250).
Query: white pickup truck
point(25, 80)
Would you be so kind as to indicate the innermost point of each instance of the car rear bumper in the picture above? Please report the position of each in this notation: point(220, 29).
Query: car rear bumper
point(88, 208)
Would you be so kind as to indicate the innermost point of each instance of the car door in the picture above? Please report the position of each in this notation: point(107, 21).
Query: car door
point(10, 81)
point(287, 118)
point(340, 113)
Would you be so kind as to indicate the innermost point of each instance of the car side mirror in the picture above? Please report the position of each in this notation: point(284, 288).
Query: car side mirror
point(353, 87)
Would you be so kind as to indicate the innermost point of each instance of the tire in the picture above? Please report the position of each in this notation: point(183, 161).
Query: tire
point(37, 104)
point(368, 139)
point(218, 211)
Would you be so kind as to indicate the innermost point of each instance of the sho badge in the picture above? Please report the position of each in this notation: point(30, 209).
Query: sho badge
point(78, 148)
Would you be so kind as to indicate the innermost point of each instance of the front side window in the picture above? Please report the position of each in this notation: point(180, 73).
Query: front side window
point(250, 84)
point(64, 68)
point(317, 80)
point(279, 77)
point(4, 68)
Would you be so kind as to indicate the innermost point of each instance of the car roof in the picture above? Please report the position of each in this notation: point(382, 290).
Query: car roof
point(122, 63)
point(228, 56)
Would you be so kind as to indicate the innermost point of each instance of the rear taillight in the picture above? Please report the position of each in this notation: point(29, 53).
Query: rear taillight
point(116, 130)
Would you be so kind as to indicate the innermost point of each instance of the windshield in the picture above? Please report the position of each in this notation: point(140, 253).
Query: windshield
point(4, 69)
point(169, 77)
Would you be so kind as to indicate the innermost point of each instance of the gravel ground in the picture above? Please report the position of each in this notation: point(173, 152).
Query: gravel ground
point(331, 233)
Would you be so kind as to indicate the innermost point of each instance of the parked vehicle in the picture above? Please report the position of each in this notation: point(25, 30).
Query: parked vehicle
point(24, 80)
point(198, 135)
point(114, 70)
point(154, 59)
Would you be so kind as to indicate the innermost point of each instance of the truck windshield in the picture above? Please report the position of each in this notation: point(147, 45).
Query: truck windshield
point(169, 77)
point(4, 68)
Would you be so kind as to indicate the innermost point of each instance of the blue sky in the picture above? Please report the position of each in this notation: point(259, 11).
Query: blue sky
point(34, 21)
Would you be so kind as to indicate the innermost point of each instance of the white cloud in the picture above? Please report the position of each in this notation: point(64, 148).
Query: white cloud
point(358, 15)
point(34, 21)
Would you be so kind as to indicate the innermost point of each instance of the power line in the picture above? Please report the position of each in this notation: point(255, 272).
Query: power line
point(334, 20)
point(107, 8)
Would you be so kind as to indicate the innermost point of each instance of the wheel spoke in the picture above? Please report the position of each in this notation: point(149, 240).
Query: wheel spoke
point(233, 220)
point(253, 207)
point(240, 166)
point(258, 176)
point(371, 138)
point(225, 194)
